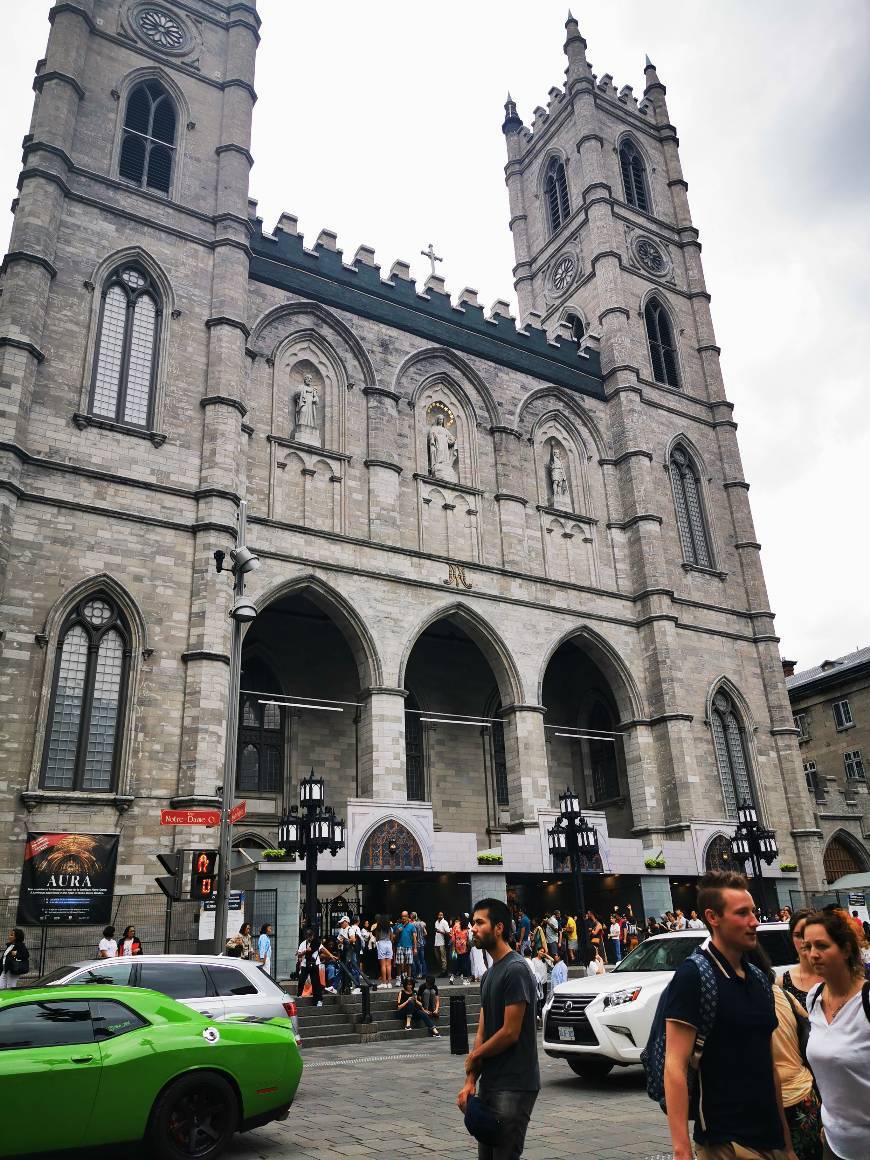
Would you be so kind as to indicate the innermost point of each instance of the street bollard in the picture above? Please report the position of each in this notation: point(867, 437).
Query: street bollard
point(458, 1026)
point(366, 1004)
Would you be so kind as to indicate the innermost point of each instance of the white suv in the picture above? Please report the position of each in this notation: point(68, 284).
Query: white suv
point(599, 1022)
point(217, 986)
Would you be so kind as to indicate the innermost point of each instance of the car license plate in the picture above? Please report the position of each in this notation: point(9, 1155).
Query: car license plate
point(566, 1033)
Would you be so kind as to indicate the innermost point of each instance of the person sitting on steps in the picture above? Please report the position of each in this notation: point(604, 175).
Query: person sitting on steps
point(409, 1008)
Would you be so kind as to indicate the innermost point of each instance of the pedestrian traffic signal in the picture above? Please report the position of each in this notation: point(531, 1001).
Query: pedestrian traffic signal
point(171, 883)
point(203, 874)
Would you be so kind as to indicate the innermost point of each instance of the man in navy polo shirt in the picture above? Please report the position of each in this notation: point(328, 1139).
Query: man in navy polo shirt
point(740, 1112)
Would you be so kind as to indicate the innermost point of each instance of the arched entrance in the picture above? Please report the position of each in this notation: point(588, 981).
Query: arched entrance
point(458, 684)
point(718, 855)
point(298, 707)
point(584, 742)
point(391, 846)
point(842, 857)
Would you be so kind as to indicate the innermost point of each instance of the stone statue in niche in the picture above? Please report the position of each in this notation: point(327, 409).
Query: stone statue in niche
point(559, 480)
point(307, 429)
point(443, 455)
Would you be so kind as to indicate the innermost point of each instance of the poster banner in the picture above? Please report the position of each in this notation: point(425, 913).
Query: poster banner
point(68, 879)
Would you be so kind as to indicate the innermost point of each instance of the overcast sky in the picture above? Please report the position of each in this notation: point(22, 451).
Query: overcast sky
point(381, 121)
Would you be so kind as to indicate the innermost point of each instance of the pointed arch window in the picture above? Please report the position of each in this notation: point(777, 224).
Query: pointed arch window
point(730, 746)
point(602, 754)
point(662, 347)
point(148, 142)
point(89, 691)
point(260, 760)
point(125, 363)
point(634, 179)
point(415, 767)
point(556, 194)
point(391, 846)
point(690, 512)
point(578, 328)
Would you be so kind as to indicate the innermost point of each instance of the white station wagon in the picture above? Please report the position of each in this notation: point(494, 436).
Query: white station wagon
point(597, 1023)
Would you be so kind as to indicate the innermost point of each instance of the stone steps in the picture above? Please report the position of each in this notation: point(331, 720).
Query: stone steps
point(338, 1022)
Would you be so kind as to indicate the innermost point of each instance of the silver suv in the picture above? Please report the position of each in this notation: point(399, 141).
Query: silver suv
point(218, 987)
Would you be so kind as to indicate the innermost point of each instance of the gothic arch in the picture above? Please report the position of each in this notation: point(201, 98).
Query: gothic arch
point(747, 728)
point(623, 686)
point(258, 346)
point(717, 854)
point(139, 650)
point(684, 443)
point(569, 410)
point(372, 852)
point(656, 294)
point(133, 255)
point(339, 609)
point(485, 637)
point(843, 849)
point(182, 117)
point(629, 138)
point(473, 383)
point(555, 424)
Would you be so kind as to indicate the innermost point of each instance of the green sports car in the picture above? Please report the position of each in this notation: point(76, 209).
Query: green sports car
point(81, 1067)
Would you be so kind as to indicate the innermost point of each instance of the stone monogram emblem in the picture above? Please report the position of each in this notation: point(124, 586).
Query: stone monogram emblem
point(456, 576)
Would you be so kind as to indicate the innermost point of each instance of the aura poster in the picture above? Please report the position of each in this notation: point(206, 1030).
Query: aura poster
point(68, 879)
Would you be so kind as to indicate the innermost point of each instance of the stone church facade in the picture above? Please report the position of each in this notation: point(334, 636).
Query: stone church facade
point(497, 556)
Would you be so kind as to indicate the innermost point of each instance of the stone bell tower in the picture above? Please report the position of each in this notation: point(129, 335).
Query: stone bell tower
point(606, 250)
point(134, 181)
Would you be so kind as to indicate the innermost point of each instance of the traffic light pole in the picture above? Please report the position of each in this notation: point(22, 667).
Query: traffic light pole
point(230, 752)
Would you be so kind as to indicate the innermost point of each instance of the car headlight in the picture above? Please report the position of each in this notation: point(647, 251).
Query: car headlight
point(618, 998)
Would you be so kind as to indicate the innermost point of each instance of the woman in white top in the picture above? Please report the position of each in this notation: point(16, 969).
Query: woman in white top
point(839, 1044)
point(108, 948)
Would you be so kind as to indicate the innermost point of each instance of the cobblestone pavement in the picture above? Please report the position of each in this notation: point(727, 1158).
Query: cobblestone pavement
point(395, 1100)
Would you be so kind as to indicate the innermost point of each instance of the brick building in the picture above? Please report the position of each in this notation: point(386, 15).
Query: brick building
point(831, 707)
point(497, 556)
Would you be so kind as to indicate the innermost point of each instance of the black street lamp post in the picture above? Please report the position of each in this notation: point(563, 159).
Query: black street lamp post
point(573, 835)
point(752, 842)
point(310, 833)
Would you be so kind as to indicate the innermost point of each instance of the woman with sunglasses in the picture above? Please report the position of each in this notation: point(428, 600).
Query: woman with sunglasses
point(799, 981)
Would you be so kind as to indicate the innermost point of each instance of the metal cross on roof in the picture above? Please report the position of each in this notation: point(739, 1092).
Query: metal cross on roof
point(432, 256)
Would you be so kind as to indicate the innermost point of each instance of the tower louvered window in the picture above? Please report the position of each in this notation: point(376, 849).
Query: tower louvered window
point(634, 181)
point(556, 194)
point(690, 512)
point(578, 330)
point(148, 143)
point(662, 348)
point(125, 364)
point(87, 702)
point(730, 755)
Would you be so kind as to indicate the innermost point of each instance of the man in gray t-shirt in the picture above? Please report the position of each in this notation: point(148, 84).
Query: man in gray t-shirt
point(505, 1054)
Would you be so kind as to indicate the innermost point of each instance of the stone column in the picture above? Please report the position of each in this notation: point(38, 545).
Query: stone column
point(509, 495)
point(526, 758)
point(655, 890)
point(381, 745)
point(384, 472)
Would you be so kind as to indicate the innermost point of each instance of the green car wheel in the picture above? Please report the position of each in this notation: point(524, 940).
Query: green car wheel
point(194, 1117)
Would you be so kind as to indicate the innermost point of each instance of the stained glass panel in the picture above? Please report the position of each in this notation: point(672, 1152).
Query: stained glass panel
point(63, 737)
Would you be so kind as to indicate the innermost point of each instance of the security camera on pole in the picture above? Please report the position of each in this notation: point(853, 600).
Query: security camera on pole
point(242, 612)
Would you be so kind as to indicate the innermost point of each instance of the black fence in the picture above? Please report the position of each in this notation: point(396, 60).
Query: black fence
point(162, 927)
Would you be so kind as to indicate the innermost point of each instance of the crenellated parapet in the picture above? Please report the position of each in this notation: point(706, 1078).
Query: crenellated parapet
point(321, 273)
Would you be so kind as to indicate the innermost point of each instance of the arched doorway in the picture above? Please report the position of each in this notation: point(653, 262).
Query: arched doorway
point(457, 677)
point(719, 857)
point(391, 846)
point(841, 857)
point(298, 707)
point(584, 742)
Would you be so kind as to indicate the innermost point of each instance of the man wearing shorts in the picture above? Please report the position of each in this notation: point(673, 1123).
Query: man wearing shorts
point(406, 946)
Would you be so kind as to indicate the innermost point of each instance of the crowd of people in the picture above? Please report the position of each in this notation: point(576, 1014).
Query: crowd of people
point(769, 1067)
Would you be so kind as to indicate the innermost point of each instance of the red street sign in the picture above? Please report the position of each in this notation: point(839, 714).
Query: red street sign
point(238, 812)
point(190, 817)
